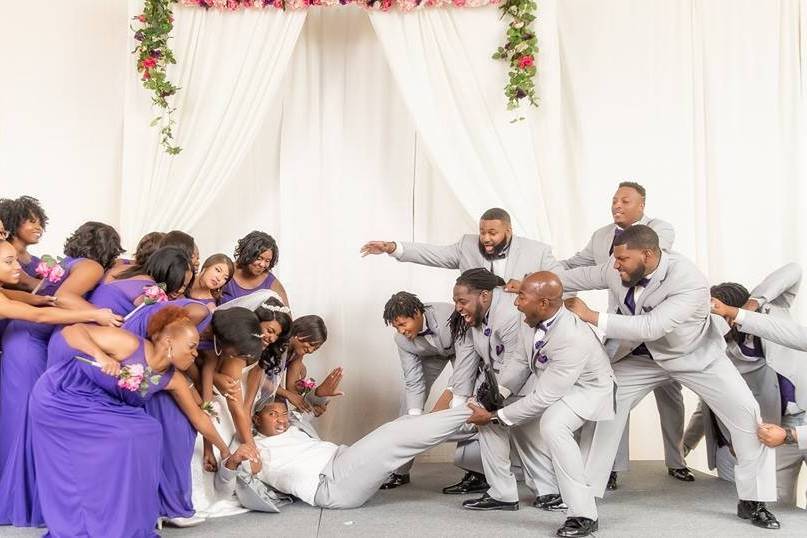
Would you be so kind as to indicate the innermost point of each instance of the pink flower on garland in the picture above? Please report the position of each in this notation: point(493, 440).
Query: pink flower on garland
point(385, 5)
point(459, 3)
point(150, 63)
point(278, 4)
point(526, 61)
point(141, 18)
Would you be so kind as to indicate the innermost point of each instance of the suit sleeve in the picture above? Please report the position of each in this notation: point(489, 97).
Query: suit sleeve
point(466, 366)
point(583, 258)
point(586, 278)
point(514, 352)
point(447, 257)
point(666, 234)
point(665, 318)
point(414, 382)
point(783, 331)
point(515, 373)
point(780, 287)
point(562, 371)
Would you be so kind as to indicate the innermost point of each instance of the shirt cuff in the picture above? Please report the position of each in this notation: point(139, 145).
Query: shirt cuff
point(505, 392)
point(503, 417)
point(457, 401)
point(602, 322)
point(740, 317)
point(398, 252)
point(414, 411)
point(801, 433)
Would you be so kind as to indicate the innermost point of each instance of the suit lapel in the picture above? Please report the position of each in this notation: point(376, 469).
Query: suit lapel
point(512, 259)
point(655, 282)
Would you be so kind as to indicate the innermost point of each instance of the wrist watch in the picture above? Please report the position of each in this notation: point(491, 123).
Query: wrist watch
point(789, 438)
point(495, 419)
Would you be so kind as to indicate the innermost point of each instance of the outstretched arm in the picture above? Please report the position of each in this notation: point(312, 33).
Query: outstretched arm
point(180, 390)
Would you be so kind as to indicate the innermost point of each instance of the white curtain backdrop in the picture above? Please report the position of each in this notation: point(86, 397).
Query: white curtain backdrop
point(702, 101)
point(229, 67)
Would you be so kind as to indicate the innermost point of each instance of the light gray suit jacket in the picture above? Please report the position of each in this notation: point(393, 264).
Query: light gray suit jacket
point(524, 256)
point(577, 371)
point(412, 352)
point(597, 251)
point(672, 314)
point(776, 295)
point(497, 342)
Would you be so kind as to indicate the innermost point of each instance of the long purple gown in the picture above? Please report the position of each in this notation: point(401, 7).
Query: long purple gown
point(119, 295)
point(232, 290)
point(97, 451)
point(178, 434)
point(30, 267)
point(24, 359)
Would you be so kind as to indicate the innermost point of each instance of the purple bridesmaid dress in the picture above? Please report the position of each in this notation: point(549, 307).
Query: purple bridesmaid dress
point(178, 434)
point(30, 267)
point(97, 452)
point(25, 355)
point(232, 290)
point(119, 295)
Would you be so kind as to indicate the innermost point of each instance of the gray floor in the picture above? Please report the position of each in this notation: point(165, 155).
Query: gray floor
point(649, 503)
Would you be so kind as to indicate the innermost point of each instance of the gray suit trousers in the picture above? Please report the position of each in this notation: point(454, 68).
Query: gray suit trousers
point(357, 471)
point(724, 391)
point(789, 460)
point(550, 457)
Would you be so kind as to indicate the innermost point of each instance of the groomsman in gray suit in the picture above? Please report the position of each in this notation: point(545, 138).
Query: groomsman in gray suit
point(664, 306)
point(627, 209)
point(771, 303)
point(572, 383)
point(425, 347)
point(495, 248)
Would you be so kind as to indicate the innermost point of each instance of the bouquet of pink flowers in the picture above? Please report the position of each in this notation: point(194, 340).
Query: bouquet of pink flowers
point(49, 269)
point(305, 385)
point(132, 377)
point(151, 295)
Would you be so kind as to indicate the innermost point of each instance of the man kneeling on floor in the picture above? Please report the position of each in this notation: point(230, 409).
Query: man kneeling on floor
point(294, 458)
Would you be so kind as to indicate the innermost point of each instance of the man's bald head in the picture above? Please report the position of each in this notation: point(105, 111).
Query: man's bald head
point(540, 297)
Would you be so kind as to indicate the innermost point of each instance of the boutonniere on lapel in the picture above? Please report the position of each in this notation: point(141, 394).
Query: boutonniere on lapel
point(499, 349)
point(538, 356)
point(486, 332)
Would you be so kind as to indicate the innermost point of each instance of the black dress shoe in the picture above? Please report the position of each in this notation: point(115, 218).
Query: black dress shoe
point(551, 503)
point(486, 502)
point(683, 474)
point(612, 485)
point(471, 483)
point(577, 526)
point(395, 480)
point(758, 514)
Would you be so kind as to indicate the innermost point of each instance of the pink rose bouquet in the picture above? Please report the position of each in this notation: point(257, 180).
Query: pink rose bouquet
point(305, 385)
point(132, 377)
point(151, 295)
point(50, 270)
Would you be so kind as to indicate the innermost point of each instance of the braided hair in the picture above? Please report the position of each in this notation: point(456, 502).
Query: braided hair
point(478, 279)
point(730, 293)
point(403, 304)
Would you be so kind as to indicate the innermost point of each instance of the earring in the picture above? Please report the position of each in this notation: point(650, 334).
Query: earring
point(170, 353)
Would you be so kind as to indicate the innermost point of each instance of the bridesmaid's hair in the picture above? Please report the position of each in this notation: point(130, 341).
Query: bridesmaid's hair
point(147, 245)
point(167, 265)
point(176, 238)
point(478, 279)
point(213, 260)
point(96, 241)
point(240, 328)
point(14, 212)
point(252, 245)
point(310, 328)
point(165, 317)
point(271, 358)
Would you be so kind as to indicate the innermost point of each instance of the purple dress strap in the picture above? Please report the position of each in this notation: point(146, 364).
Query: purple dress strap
point(119, 295)
point(232, 290)
point(97, 455)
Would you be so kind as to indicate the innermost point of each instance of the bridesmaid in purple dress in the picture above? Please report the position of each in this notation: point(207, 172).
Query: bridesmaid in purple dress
point(25, 221)
point(18, 504)
point(89, 252)
point(216, 272)
point(255, 255)
point(145, 248)
point(97, 452)
point(168, 265)
point(179, 435)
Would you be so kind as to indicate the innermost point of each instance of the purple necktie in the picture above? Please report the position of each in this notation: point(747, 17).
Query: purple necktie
point(631, 304)
point(617, 233)
point(787, 391)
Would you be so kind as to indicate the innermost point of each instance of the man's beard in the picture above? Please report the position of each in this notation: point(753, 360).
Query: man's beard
point(635, 276)
point(498, 248)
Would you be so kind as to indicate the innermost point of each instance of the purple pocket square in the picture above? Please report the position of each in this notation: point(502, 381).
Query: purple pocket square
point(499, 349)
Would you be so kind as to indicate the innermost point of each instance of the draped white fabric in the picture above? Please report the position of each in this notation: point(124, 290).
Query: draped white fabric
point(702, 101)
point(229, 66)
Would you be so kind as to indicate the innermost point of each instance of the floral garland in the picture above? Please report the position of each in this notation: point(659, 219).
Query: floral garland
point(157, 21)
point(519, 52)
point(153, 57)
